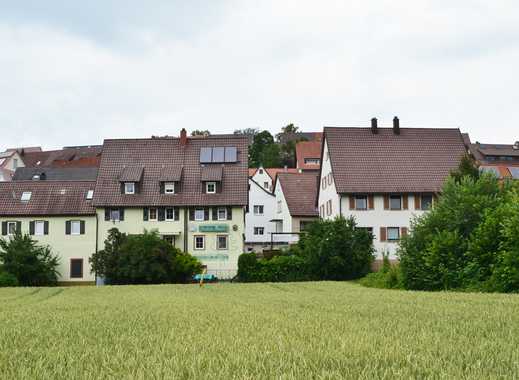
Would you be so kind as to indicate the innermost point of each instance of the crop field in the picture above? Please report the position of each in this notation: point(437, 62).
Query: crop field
point(256, 331)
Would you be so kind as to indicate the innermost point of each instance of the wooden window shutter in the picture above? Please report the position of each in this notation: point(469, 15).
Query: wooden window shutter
point(229, 213)
point(383, 234)
point(19, 227)
point(122, 187)
point(352, 202)
point(161, 191)
point(67, 227)
point(215, 213)
point(31, 227)
point(4, 228)
point(435, 199)
point(403, 231)
point(121, 214)
point(191, 214)
point(161, 214)
point(371, 202)
point(176, 213)
point(206, 213)
point(405, 201)
point(46, 227)
point(82, 227)
point(386, 202)
point(417, 201)
point(137, 187)
point(107, 214)
point(145, 213)
point(218, 187)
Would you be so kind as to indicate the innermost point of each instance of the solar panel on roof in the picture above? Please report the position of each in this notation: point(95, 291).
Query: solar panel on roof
point(514, 171)
point(206, 155)
point(218, 154)
point(231, 154)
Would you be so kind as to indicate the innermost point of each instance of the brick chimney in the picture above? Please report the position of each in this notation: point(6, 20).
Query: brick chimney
point(183, 137)
point(374, 128)
point(396, 126)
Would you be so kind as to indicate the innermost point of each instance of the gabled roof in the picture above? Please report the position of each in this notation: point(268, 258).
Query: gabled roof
point(416, 160)
point(132, 173)
point(211, 173)
point(170, 173)
point(87, 156)
point(56, 174)
point(300, 192)
point(47, 198)
point(305, 150)
point(155, 153)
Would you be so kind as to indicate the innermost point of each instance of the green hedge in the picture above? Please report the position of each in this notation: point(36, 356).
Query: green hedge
point(286, 268)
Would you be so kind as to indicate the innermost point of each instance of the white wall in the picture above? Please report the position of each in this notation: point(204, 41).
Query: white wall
point(328, 191)
point(284, 214)
point(9, 163)
point(259, 196)
point(261, 176)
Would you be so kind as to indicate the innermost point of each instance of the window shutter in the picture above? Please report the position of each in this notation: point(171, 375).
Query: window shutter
point(178, 187)
point(145, 212)
point(82, 227)
point(162, 214)
point(405, 201)
point(371, 202)
point(137, 187)
point(417, 202)
point(67, 227)
point(19, 227)
point(177, 213)
point(4, 228)
point(107, 214)
point(403, 231)
point(435, 199)
point(31, 227)
point(218, 187)
point(383, 234)
point(122, 187)
point(352, 202)
point(162, 188)
point(229, 213)
point(386, 202)
point(46, 228)
point(215, 213)
point(203, 187)
point(206, 213)
point(191, 214)
point(121, 214)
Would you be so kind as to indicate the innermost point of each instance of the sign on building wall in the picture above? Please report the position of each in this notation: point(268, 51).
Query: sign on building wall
point(214, 228)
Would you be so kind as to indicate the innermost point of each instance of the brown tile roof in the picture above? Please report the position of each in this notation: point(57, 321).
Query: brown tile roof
point(416, 160)
point(153, 154)
point(72, 156)
point(300, 191)
point(56, 174)
point(305, 150)
point(47, 198)
point(252, 171)
point(131, 173)
point(212, 172)
point(273, 172)
point(170, 173)
point(6, 174)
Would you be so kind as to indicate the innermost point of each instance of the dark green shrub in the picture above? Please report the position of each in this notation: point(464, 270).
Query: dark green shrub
point(29, 263)
point(284, 268)
point(388, 277)
point(247, 263)
point(7, 279)
point(142, 259)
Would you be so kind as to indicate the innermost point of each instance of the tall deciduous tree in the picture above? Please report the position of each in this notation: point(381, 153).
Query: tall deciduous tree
point(264, 151)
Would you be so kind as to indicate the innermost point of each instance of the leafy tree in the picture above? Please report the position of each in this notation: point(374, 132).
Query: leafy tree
point(264, 151)
point(142, 259)
point(287, 129)
point(247, 132)
point(198, 132)
point(467, 167)
point(337, 249)
point(29, 263)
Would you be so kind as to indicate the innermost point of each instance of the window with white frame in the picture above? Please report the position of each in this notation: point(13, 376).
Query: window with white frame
point(361, 202)
point(170, 213)
point(259, 230)
point(312, 161)
point(169, 187)
point(199, 214)
point(39, 227)
point(266, 185)
point(75, 227)
point(153, 214)
point(393, 233)
point(395, 202)
point(279, 207)
point(115, 214)
point(11, 228)
point(210, 187)
point(26, 196)
point(222, 242)
point(129, 187)
point(15, 163)
point(222, 213)
point(199, 242)
point(258, 209)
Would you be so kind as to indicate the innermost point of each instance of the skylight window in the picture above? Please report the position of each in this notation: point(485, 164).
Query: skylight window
point(26, 196)
point(90, 194)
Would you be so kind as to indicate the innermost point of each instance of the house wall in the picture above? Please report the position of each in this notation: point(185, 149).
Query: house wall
point(327, 189)
point(65, 246)
point(9, 163)
point(286, 223)
point(258, 196)
point(223, 263)
point(261, 176)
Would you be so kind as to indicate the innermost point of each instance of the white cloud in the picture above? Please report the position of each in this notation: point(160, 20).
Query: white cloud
point(265, 64)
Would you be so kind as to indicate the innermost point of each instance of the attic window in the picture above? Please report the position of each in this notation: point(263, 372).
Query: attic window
point(26, 196)
point(90, 194)
point(129, 187)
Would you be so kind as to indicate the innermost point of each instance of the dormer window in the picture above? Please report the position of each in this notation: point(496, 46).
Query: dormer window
point(210, 187)
point(169, 188)
point(26, 196)
point(129, 187)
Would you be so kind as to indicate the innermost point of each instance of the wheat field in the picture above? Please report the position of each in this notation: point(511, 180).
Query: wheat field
point(326, 330)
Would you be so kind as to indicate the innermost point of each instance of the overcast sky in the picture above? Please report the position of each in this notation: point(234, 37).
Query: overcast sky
point(74, 74)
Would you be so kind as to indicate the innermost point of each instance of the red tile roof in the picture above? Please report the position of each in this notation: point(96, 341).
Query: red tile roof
point(47, 198)
point(306, 150)
point(155, 153)
point(273, 172)
point(300, 191)
point(88, 156)
point(416, 160)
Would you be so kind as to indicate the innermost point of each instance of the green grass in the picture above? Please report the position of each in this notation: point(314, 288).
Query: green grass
point(256, 331)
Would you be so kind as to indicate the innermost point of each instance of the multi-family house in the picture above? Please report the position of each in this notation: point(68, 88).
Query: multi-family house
point(500, 159)
point(308, 155)
point(59, 214)
point(192, 190)
point(384, 177)
point(9, 162)
point(296, 198)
